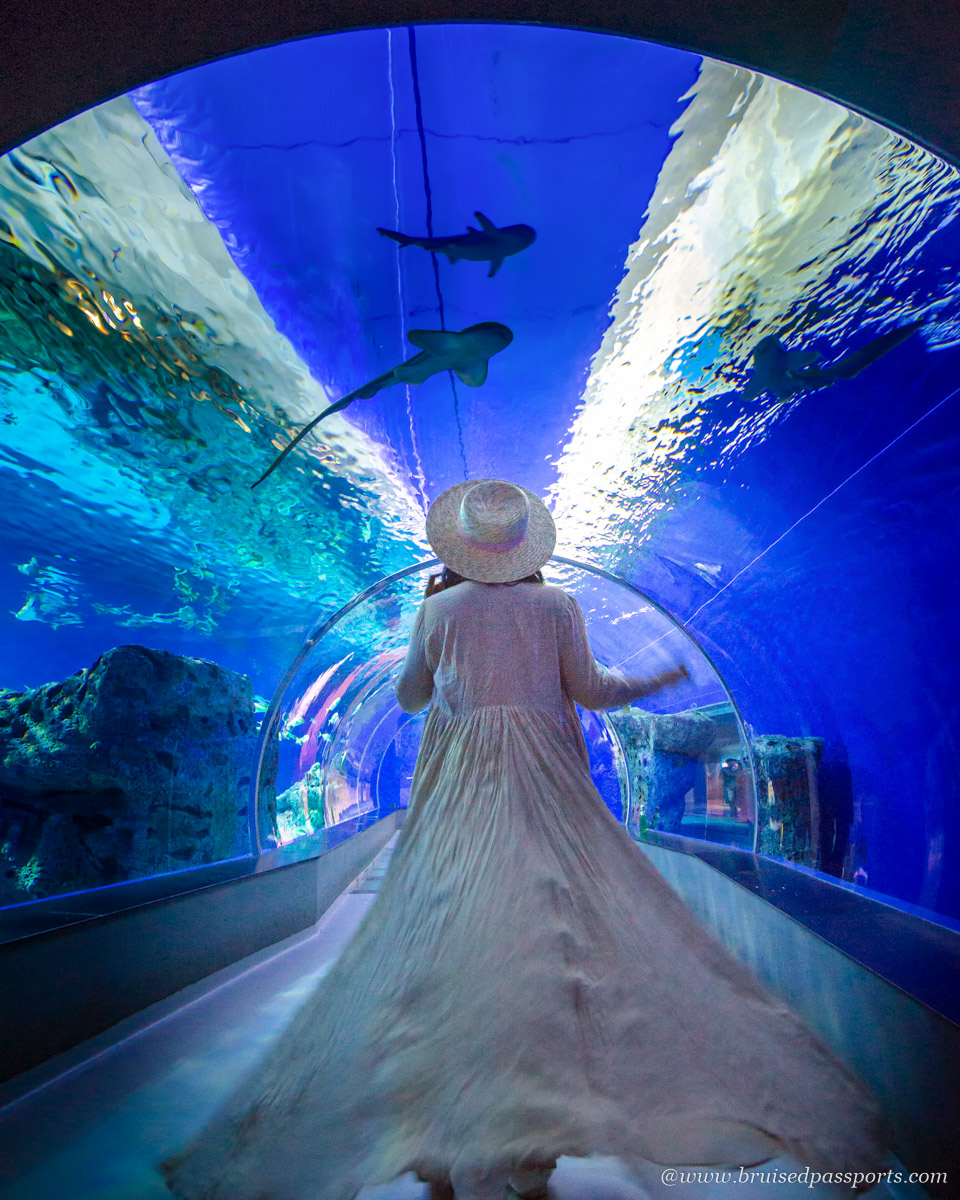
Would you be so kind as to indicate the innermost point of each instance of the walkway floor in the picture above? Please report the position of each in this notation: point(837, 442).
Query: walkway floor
point(98, 1119)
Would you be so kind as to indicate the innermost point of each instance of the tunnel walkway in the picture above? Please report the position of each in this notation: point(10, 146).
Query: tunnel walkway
point(95, 1126)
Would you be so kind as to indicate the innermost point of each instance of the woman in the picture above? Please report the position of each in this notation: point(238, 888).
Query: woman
point(526, 984)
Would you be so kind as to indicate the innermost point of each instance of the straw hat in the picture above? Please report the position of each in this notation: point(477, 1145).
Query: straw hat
point(490, 530)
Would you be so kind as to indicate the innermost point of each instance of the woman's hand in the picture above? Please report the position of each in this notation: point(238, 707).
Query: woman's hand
point(658, 682)
point(668, 678)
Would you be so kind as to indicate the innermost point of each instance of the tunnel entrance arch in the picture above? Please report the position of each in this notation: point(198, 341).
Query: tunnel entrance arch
point(897, 68)
point(334, 744)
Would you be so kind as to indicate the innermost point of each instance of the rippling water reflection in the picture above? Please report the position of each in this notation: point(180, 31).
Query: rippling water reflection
point(775, 211)
point(143, 382)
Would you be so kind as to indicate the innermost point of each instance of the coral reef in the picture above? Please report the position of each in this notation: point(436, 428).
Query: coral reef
point(137, 765)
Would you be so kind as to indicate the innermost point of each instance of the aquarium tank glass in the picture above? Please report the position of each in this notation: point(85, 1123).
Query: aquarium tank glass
point(710, 317)
point(335, 745)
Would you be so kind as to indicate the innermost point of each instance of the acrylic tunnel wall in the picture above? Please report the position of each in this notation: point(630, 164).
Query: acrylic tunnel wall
point(733, 375)
point(336, 745)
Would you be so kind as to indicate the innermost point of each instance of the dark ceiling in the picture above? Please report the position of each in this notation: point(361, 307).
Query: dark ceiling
point(895, 62)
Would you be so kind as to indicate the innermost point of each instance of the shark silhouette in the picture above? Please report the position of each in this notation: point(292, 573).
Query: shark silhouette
point(466, 354)
point(786, 373)
point(486, 244)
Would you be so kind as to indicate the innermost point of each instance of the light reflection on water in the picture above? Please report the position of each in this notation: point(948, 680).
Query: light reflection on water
point(143, 380)
point(775, 211)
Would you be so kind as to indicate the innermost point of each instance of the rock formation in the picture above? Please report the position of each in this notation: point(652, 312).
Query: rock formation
point(787, 796)
point(666, 755)
point(300, 808)
point(135, 766)
point(686, 771)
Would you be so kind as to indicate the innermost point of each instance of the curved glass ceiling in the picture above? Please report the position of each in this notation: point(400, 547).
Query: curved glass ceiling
point(190, 273)
point(335, 743)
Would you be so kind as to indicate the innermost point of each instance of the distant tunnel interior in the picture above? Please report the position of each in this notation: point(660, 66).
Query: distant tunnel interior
point(335, 745)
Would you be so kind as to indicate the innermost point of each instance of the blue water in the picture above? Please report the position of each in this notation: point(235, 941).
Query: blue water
point(190, 273)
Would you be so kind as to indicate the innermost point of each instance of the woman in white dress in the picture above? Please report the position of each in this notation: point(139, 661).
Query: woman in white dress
point(526, 984)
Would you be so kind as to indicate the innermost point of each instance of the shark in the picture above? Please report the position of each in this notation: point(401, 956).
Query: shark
point(466, 353)
point(708, 572)
point(787, 373)
point(486, 244)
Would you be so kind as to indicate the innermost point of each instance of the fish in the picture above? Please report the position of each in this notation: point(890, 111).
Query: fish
point(466, 353)
point(708, 572)
point(486, 244)
point(787, 373)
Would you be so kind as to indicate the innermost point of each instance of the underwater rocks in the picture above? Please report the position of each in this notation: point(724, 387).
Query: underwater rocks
point(135, 766)
point(686, 769)
point(323, 797)
point(320, 799)
point(667, 755)
point(300, 808)
point(787, 796)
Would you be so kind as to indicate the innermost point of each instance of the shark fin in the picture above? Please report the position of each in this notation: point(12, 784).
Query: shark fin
point(472, 229)
point(495, 265)
point(401, 238)
point(434, 341)
point(485, 223)
point(474, 374)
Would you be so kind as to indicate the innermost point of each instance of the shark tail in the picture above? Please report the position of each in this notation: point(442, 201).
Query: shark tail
point(370, 389)
point(302, 434)
point(400, 238)
point(852, 364)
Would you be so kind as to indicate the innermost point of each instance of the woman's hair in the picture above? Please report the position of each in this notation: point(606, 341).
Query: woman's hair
point(449, 578)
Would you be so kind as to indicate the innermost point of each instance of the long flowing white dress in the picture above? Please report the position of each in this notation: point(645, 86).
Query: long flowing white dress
point(526, 984)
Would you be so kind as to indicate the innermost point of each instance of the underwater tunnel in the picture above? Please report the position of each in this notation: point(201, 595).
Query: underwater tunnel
point(731, 376)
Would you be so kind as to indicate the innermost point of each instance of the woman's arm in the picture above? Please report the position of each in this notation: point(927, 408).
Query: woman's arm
point(414, 686)
point(587, 683)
